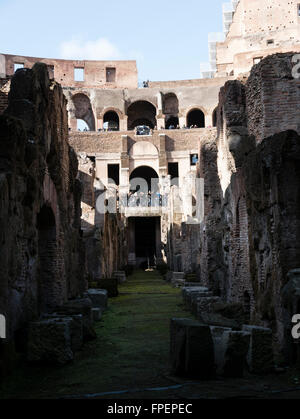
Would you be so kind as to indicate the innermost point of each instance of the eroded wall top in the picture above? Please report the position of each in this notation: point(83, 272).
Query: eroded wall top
point(80, 74)
point(259, 28)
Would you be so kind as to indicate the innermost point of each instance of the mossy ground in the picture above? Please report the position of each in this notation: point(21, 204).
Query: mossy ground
point(132, 349)
point(132, 353)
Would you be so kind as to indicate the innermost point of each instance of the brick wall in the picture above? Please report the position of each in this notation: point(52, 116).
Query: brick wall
point(41, 254)
point(273, 97)
point(111, 142)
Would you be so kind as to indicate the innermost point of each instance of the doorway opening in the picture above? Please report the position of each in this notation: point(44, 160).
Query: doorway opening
point(113, 173)
point(145, 240)
point(173, 171)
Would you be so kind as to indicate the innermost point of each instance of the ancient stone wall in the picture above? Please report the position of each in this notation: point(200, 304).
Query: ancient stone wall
point(111, 142)
point(251, 233)
point(95, 72)
point(273, 97)
point(104, 235)
point(4, 89)
point(41, 255)
point(259, 28)
point(113, 245)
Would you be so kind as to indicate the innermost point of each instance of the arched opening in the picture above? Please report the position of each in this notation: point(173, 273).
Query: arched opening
point(46, 226)
point(146, 240)
point(150, 177)
point(214, 117)
point(111, 121)
point(141, 113)
point(196, 119)
point(171, 110)
point(83, 110)
point(82, 125)
point(172, 122)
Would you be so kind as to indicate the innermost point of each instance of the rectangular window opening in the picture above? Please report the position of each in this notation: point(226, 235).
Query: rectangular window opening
point(298, 8)
point(78, 74)
point(270, 42)
point(113, 172)
point(194, 159)
point(110, 75)
point(173, 170)
point(18, 66)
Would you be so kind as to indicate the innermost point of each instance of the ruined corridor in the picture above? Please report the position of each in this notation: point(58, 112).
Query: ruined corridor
point(130, 358)
point(150, 232)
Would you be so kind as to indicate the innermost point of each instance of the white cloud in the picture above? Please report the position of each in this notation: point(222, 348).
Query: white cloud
point(101, 49)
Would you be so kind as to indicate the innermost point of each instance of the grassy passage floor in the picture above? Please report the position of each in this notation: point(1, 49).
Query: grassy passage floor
point(131, 354)
point(132, 349)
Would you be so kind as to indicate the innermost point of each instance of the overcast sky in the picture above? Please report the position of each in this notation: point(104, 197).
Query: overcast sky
point(167, 38)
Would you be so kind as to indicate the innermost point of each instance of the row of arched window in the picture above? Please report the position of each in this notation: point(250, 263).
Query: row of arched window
point(138, 113)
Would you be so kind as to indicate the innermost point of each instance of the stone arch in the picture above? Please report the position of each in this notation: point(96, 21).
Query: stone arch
point(143, 153)
point(112, 120)
point(171, 109)
point(83, 110)
point(141, 112)
point(143, 149)
point(101, 114)
point(195, 117)
point(148, 174)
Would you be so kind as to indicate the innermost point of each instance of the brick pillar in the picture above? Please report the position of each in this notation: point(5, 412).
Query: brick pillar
point(124, 123)
point(124, 181)
point(208, 120)
point(163, 164)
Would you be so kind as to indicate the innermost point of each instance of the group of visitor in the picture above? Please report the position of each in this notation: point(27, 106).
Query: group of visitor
point(146, 200)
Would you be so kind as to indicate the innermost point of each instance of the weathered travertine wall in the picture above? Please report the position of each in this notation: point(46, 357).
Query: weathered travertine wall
point(113, 244)
point(111, 142)
point(250, 238)
point(41, 254)
point(104, 235)
point(273, 97)
point(259, 28)
point(95, 72)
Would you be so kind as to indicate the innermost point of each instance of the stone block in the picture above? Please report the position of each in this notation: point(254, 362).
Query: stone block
point(188, 292)
point(120, 276)
point(97, 314)
point(49, 341)
point(99, 298)
point(76, 328)
point(234, 347)
point(76, 332)
point(234, 311)
point(191, 351)
point(214, 319)
point(260, 357)
point(169, 276)
point(81, 306)
point(178, 275)
point(195, 300)
point(217, 333)
point(206, 304)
